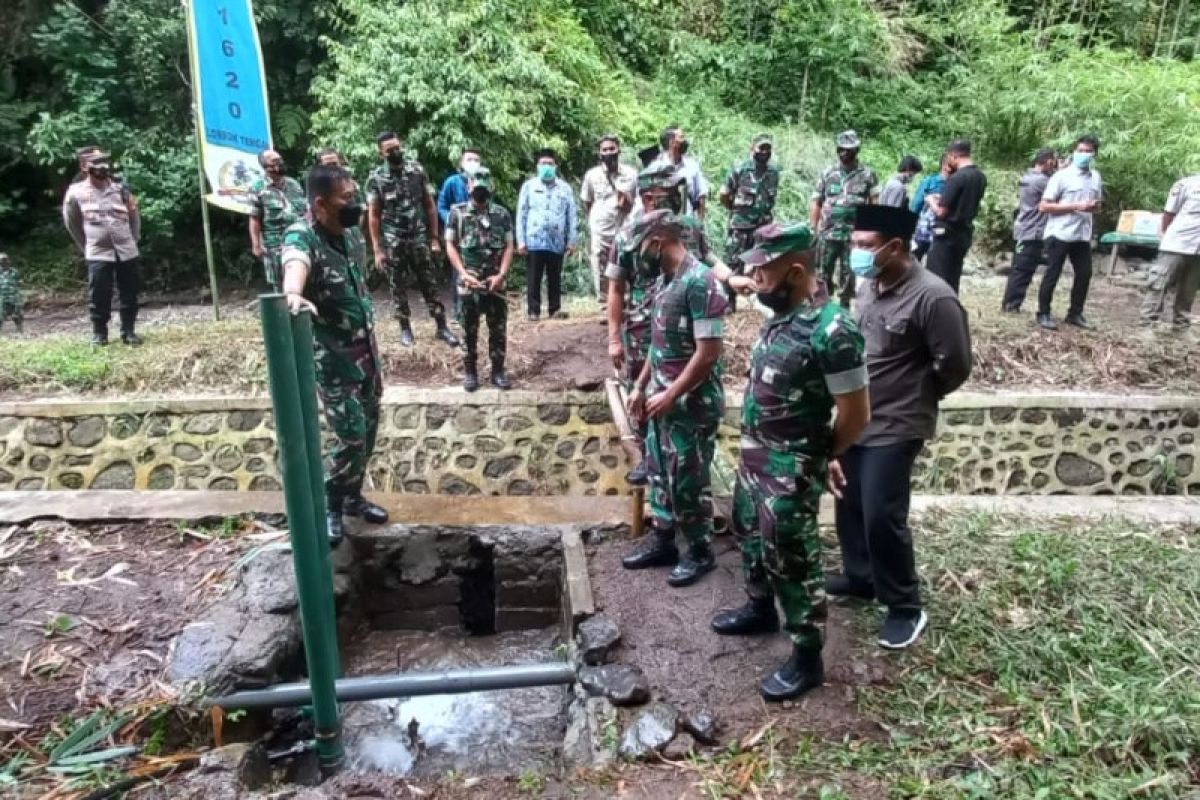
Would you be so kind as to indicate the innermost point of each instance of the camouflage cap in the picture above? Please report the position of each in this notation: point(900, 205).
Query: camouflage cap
point(776, 240)
point(761, 139)
point(848, 140)
point(662, 175)
point(3, 258)
point(482, 177)
point(651, 224)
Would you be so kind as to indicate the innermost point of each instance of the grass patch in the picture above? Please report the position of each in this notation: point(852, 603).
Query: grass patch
point(1063, 661)
point(56, 363)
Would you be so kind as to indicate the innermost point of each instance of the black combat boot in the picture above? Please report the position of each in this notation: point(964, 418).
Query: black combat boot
point(406, 337)
point(698, 562)
point(446, 335)
point(471, 380)
point(757, 616)
point(800, 673)
point(364, 509)
point(333, 521)
point(128, 322)
point(500, 379)
point(99, 334)
point(639, 475)
point(658, 551)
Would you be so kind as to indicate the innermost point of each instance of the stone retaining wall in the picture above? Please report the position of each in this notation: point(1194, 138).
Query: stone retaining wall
point(523, 443)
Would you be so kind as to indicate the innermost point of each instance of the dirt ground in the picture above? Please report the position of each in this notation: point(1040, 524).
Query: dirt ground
point(184, 349)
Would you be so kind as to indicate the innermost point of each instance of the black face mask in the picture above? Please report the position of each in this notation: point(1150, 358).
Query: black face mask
point(761, 158)
point(683, 147)
point(395, 157)
point(609, 159)
point(480, 196)
point(778, 299)
point(278, 169)
point(99, 170)
point(349, 215)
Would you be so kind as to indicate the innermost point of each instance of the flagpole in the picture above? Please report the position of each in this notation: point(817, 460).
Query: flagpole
point(208, 247)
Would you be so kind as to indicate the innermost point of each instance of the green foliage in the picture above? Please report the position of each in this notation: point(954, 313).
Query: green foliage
point(64, 363)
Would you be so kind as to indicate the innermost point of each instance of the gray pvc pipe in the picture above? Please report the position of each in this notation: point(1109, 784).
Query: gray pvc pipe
point(412, 684)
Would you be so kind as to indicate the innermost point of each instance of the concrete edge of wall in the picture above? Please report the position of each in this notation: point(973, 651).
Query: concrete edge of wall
point(401, 395)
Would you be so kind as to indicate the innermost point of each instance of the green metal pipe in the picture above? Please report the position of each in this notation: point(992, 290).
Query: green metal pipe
point(310, 556)
point(306, 384)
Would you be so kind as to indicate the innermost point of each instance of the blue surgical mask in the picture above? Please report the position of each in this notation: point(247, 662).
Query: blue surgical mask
point(1083, 160)
point(546, 172)
point(862, 263)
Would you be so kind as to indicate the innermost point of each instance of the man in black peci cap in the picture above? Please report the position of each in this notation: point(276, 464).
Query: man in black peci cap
point(918, 351)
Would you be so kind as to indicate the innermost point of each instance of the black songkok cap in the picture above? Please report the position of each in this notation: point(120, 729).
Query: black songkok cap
point(891, 221)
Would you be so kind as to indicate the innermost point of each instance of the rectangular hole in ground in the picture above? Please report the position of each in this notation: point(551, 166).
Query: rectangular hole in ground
point(432, 599)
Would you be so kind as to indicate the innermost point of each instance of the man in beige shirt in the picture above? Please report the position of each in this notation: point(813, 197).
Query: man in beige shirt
point(104, 222)
point(607, 196)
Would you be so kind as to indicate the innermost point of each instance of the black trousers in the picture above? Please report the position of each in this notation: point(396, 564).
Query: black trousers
point(1057, 253)
point(1026, 258)
point(872, 522)
point(920, 250)
point(101, 275)
point(946, 255)
point(550, 264)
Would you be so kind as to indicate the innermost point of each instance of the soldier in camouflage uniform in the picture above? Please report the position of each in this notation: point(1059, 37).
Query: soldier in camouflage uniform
point(479, 244)
point(840, 190)
point(808, 357)
point(679, 393)
point(10, 294)
point(404, 233)
point(276, 203)
point(324, 259)
point(632, 280)
point(749, 193)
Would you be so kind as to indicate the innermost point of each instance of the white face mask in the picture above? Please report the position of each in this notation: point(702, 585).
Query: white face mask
point(470, 165)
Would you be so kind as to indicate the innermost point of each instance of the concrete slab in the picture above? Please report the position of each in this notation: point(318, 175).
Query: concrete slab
point(85, 506)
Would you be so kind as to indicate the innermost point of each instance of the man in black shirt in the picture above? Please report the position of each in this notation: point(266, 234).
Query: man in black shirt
point(956, 210)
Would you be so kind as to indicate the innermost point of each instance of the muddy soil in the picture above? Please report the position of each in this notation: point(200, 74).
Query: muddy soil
point(666, 633)
point(87, 613)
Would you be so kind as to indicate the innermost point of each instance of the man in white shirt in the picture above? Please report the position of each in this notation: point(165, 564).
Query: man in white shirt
point(1072, 196)
point(674, 146)
point(1178, 263)
point(607, 196)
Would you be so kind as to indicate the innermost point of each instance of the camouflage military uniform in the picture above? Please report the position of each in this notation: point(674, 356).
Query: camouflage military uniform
point(839, 193)
point(348, 368)
point(753, 206)
point(481, 239)
point(277, 208)
point(10, 294)
point(401, 195)
point(680, 443)
point(800, 360)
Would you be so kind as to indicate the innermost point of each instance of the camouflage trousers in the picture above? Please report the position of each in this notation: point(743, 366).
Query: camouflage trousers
point(775, 520)
point(272, 261)
point(738, 241)
point(410, 263)
point(12, 309)
point(494, 309)
point(350, 386)
point(833, 265)
point(679, 454)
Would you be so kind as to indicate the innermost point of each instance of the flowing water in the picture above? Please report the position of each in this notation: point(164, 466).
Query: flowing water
point(499, 732)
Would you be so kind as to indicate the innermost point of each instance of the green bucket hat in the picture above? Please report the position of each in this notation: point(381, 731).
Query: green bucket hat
point(761, 139)
point(848, 140)
point(482, 177)
point(650, 224)
point(658, 176)
point(777, 240)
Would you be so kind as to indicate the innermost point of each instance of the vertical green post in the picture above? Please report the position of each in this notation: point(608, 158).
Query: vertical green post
point(310, 552)
point(306, 376)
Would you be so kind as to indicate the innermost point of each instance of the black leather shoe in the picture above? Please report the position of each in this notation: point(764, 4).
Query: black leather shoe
point(800, 673)
point(337, 530)
point(695, 565)
point(406, 337)
point(447, 336)
point(658, 551)
point(500, 380)
point(365, 510)
point(841, 586)
point(471, 381)
point(1046, 321)
point(99, 339)
point(639, 475)
point(757, 616)
point(130, 338)
point(1078, 321)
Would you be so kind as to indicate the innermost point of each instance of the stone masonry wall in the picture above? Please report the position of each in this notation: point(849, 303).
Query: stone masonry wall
point(445, 442)
point(523, 443)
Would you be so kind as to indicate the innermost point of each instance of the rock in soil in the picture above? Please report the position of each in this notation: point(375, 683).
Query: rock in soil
point(653, 730)
point(598, 637)
point(680, 748)
point(622, 684)
point(703, 726)
point(245, 764)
